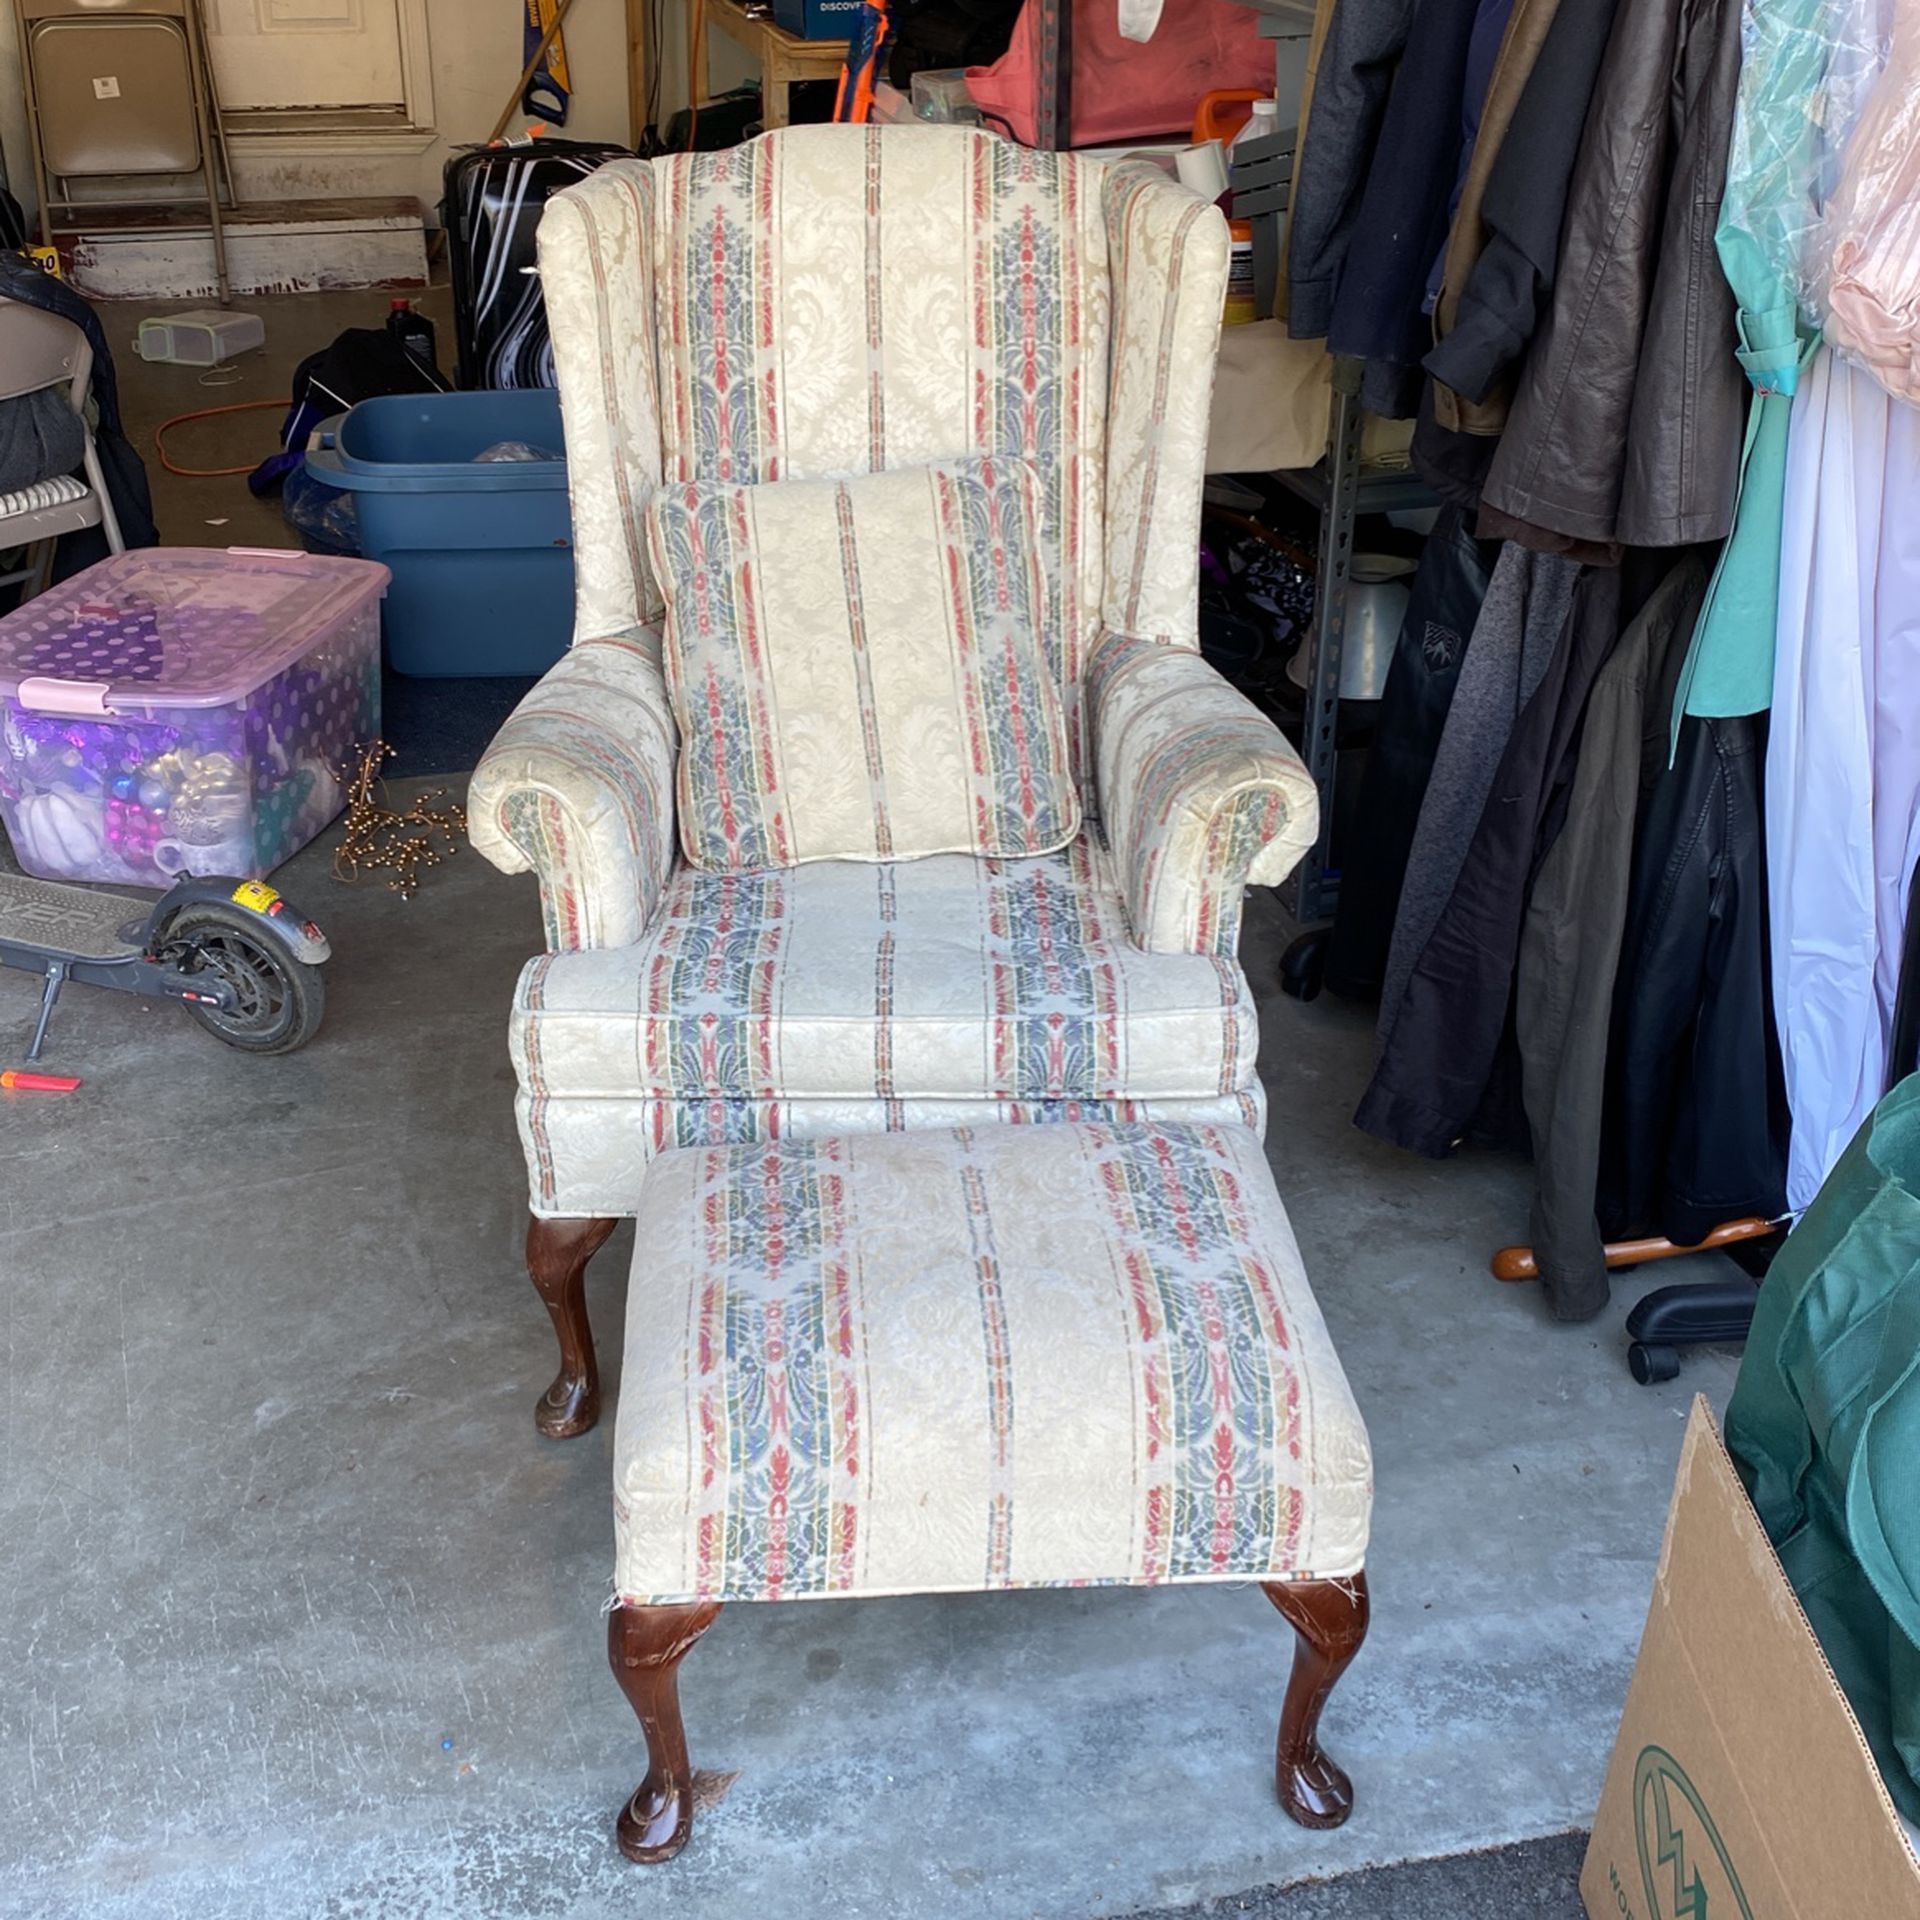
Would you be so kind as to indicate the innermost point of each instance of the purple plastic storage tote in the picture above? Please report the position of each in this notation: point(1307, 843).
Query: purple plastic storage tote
point(185, 710)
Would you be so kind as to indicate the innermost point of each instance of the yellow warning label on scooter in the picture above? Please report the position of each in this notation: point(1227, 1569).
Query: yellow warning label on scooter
point(255, 894)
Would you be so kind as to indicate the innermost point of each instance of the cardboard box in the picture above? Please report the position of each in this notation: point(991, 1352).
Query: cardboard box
point(1741, 1788)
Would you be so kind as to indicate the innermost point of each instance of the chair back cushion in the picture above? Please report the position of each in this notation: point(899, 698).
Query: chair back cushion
point(857, 669)
point(833, 300)
point(837, 301)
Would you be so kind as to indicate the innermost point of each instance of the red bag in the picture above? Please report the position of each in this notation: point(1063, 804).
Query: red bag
point(1128, 89)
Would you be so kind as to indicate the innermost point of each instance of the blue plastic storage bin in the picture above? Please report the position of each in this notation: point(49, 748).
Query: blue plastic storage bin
point(481, 551)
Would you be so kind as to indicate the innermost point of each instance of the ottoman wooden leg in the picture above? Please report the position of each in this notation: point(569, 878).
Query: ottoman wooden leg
point(557, 1256)
point(646, 1646)
point(1330, 1618)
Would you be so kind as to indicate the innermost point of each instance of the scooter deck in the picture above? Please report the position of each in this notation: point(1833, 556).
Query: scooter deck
point(70, 923)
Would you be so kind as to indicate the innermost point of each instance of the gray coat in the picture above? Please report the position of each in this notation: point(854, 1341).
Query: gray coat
point(1521, 619)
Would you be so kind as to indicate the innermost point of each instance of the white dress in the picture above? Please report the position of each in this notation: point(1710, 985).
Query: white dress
point(1843, 756)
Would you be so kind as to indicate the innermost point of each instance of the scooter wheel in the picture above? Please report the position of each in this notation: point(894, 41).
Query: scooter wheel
point(1651, 1365)
point(280, 1000)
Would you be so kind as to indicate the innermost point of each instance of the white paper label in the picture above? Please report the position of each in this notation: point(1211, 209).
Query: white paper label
point(107, 87)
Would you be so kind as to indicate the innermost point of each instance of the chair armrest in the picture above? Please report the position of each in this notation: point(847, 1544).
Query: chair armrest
point(578, 786)
point(1200, 793)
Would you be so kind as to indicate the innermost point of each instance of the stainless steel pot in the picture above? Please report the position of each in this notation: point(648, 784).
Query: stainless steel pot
point(1377, 597)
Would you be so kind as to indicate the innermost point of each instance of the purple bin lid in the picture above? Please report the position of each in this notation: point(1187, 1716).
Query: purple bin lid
point(177, 626)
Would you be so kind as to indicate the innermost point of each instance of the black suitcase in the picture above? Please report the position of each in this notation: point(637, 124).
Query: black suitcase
point(494, 199)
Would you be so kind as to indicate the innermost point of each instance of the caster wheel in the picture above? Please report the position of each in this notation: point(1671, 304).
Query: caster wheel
point(1303, 967)
point(1651, 1365)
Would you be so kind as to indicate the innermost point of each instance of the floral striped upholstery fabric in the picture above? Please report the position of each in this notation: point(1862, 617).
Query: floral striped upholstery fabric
point(578, 786)
point(982, 324)
point(756, 998)
point(975, 1360)
point(588, 1158)
point(599, 268)
point(1200, 794)
point(858, 669)
point(827, 301)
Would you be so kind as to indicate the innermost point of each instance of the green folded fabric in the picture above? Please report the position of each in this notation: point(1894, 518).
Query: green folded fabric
point(1824, 1425)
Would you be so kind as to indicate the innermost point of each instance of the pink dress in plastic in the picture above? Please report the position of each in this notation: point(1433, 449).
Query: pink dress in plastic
point(1873, 224)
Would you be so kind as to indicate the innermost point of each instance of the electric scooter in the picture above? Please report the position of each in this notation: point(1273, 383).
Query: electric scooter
point(241, 960)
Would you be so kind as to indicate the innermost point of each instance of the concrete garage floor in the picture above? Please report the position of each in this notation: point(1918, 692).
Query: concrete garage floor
point(220, 512)
point(300, 1617)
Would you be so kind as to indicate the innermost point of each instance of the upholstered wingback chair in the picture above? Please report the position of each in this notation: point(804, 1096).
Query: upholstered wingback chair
point(827, 301)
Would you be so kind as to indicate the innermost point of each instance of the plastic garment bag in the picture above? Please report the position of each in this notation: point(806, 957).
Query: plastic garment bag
point(1871, 238)
point(1807, 67)
point(1822, 211)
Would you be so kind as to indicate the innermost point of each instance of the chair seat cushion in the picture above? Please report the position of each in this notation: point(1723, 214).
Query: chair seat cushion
point(948, 978)
point(977, 1359)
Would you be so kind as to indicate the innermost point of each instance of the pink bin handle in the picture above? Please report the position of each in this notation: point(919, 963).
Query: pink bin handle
point(39, 694)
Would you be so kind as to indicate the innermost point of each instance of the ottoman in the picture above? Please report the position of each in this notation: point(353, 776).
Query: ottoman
point(942, 1362)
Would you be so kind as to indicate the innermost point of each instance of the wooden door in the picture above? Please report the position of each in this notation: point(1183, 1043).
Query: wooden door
point(287, 55)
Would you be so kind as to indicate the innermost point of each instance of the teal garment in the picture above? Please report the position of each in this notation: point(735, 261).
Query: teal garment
point(1728, 670)
point(1772, 161)
point(1824, 1426)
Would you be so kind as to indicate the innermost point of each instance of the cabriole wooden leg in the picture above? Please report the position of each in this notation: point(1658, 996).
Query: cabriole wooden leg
point(1330, 1618)
point(557, 1256)
point(646, 1646)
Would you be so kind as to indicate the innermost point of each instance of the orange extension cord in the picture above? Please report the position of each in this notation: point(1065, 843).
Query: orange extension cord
point(209, 413)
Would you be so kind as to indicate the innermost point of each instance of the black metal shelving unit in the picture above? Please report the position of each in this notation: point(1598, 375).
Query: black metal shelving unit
point(1339, 491)
point(1335, 487)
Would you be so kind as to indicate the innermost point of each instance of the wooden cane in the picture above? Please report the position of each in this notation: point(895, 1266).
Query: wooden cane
point(1518, 1263)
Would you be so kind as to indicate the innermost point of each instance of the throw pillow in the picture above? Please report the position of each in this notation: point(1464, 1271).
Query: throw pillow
point(857, 667)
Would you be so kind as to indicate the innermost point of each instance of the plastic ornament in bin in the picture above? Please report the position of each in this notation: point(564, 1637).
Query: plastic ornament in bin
point(210, 817)
point(133, 832)
point(59, 830)
point(211, 800)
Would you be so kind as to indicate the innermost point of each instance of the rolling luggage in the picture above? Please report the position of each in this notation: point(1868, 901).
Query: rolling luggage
point(494, 199)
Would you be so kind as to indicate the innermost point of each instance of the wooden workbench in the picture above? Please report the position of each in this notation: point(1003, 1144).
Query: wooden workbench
point(783, 57)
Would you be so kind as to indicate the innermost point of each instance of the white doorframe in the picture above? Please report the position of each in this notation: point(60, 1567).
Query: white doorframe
point(416, 63)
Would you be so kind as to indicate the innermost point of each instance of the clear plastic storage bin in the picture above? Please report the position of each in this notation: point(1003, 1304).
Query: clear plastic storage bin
point(185, 710)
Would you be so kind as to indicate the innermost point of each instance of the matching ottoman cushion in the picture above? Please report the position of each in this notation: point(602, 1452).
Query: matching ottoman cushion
point(973, 1359)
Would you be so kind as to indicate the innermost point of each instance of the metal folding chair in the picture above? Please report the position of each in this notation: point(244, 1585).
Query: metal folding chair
point(119, 91)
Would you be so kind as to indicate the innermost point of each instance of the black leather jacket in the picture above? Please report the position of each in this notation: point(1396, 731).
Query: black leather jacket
point(1627, 426)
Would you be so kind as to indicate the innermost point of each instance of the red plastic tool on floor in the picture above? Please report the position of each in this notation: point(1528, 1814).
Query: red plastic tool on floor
point(37, 1083)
